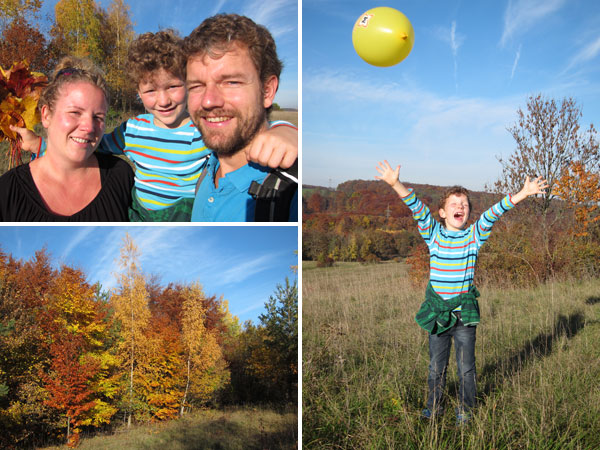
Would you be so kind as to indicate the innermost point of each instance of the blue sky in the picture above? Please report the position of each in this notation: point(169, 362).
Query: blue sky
point(279, 16)
point(242, 263)
point(443, 112)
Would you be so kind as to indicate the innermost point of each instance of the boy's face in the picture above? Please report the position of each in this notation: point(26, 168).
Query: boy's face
point(164, 96)
point(456, 212)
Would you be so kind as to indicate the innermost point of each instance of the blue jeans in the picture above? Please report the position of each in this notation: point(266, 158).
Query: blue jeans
point(439, 354)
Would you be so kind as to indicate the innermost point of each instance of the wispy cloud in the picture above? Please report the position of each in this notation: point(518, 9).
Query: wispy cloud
point(587, 53)
point(241, 270)
point(277, 15)
point(433, 127)
point(521, 15)
point(516, 62)
point(82, 235)
point(455, 44)
point(454, 40)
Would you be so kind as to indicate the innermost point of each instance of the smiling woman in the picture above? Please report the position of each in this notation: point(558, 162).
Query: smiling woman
point(70, 183)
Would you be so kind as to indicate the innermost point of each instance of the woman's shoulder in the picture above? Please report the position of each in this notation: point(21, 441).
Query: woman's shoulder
point(108, 161)
point(19, 174)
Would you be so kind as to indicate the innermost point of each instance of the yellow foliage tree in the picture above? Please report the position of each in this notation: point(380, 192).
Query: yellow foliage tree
point(78, 23)
point(205, 367)
point(130, 302)
point(118, 36)
point(11, 9)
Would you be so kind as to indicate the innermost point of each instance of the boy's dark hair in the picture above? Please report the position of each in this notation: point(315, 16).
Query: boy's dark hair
point(150, 52)
point(216, 35)
point(454, 190)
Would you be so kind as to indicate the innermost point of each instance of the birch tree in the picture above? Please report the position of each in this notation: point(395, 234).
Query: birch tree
point(130, 302)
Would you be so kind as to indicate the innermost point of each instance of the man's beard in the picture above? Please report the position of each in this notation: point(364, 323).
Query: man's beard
point(229, 144)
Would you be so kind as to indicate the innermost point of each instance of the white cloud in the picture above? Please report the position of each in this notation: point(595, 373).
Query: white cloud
point(241, 270)
point(273, 14)
point(455, 41)
point(514, 67)
point(416, 125)
point(587, 53)
point(521, 15)
point(82, 235)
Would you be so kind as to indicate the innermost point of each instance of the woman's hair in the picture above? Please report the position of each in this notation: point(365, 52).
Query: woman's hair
point(71, 69)
point(150, 52)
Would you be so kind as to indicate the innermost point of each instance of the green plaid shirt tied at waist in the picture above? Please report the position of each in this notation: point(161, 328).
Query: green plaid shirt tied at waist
point(436, 315)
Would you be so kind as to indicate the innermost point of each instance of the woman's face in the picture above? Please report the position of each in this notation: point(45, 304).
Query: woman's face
point(76, 124)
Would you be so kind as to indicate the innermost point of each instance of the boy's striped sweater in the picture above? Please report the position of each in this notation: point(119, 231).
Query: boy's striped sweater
point(453, 254)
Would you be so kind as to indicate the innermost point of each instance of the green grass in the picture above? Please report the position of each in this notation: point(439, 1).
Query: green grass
point(365, 365)
point(238, 428)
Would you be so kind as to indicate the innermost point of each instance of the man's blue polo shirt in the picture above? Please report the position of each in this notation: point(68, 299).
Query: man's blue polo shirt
point(230, 202)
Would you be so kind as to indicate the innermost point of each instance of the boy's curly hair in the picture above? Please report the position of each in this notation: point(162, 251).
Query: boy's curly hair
point(150, 52)
point(454, 190)
point(71, 69)
point(216, 35)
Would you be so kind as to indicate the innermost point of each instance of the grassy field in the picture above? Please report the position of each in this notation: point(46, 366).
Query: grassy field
point(240, 428)
point(365, 365)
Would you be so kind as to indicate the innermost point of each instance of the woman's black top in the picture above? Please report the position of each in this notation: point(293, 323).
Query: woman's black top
point(20, 201)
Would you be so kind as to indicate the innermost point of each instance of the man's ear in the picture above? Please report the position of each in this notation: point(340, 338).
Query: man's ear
point(269, 90)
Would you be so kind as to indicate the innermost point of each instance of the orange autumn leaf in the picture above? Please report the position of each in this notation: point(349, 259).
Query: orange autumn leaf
point(20, 91)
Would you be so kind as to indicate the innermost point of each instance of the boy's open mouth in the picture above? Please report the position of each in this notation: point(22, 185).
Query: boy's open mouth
point(459, 215)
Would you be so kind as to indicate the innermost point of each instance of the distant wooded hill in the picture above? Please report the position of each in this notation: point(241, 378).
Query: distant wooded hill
point(377, 199)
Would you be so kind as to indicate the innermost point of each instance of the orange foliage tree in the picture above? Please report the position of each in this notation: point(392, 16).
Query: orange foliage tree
point(22, 42)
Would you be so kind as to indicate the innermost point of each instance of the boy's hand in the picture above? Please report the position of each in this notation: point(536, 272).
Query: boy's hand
point(531, 187)
point(30, 140)
point(389, 175)
point(275, 147)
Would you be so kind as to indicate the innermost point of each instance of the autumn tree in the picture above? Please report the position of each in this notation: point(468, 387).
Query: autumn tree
point(15, 9)
point(579, 184)
point(22, 42)
point(548, 140)
point(117, 35)
point(77, 28)
point(68, 381)
point(130, 302)
point(205, 370)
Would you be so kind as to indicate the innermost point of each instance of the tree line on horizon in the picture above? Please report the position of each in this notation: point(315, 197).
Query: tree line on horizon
point(75, 358)
point(556, 234)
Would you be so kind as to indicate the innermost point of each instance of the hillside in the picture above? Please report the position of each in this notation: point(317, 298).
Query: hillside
point(372, 198)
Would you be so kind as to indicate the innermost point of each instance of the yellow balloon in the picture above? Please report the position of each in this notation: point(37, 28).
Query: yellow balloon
point(383, 36)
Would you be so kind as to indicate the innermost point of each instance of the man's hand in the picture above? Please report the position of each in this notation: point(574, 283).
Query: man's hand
point(275, 147)
point(30, 140)
point(531, 187)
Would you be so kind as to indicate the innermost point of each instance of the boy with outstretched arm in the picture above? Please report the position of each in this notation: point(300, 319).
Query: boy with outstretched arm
point(451, 309)
point(164, 144)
